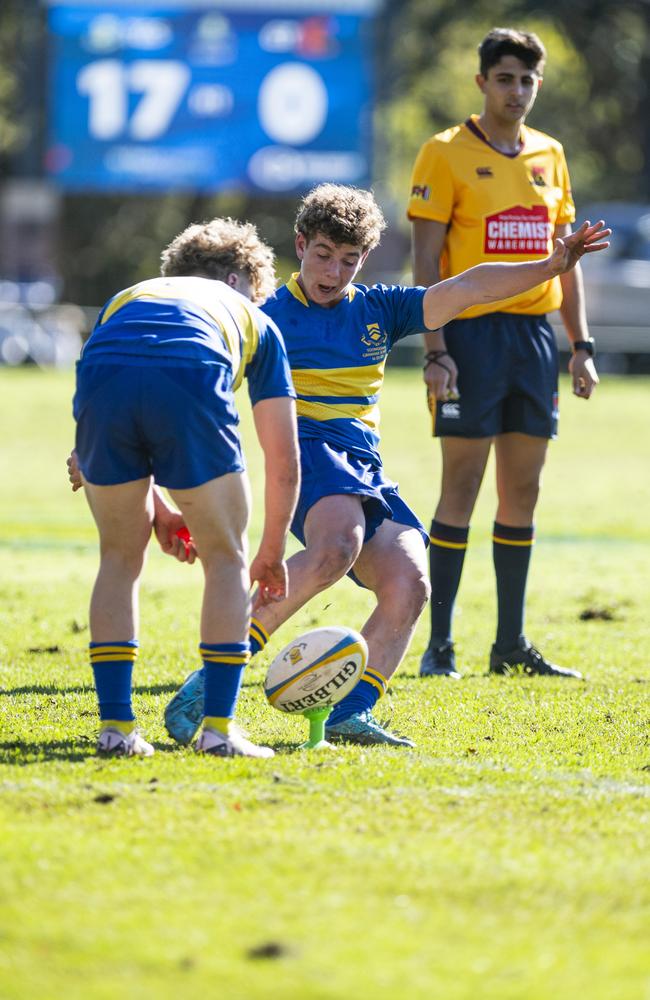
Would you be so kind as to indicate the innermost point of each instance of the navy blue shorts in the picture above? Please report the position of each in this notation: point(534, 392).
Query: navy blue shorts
point(178, 424)
point(326, 471)
point(507, 378)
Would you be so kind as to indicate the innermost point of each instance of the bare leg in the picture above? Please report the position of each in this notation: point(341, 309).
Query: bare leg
point(519, 462)
point(463, 467)
point(217, 515)
point(393, 565)
point(124, 516)
point(334, 530)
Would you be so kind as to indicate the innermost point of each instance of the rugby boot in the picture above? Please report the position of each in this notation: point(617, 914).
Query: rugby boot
point(363, 728)
point(525, 658)
point(184, 712)
point(230, 744)
point(439, 662)
point(113, 743)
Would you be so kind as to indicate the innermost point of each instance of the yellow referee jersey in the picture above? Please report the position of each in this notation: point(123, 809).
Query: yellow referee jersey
point(499, 207)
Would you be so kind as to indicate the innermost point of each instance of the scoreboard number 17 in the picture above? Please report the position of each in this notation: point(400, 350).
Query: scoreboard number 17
point(109, 85)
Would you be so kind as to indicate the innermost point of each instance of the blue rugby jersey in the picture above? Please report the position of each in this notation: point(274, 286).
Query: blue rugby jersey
point(192, 320)
point(338, 355)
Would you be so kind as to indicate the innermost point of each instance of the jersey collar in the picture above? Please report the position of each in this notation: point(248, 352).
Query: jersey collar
point(294, 289)
point(473, 126)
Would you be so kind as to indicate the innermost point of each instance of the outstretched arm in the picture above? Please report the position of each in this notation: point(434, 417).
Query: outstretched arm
point(275, 424)
point(493, 282)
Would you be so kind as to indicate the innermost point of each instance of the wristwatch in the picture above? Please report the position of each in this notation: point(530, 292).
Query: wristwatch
point(585, 345)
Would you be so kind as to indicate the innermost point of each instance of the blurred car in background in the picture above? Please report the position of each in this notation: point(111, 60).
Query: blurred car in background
point(617, 288)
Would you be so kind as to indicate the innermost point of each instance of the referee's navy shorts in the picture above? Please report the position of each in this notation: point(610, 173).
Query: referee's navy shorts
point(507, 378)
point(175, 422)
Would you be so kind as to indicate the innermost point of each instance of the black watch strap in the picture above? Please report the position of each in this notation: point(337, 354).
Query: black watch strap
point(585, 345)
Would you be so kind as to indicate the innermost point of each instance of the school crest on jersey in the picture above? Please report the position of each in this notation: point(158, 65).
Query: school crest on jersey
point(538, 176)
point(375, 339)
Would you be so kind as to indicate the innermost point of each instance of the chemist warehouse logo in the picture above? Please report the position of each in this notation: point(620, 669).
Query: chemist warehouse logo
point(518, 230)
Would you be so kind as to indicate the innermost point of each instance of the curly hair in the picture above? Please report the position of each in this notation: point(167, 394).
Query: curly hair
point(217, 248)
point(343, 213)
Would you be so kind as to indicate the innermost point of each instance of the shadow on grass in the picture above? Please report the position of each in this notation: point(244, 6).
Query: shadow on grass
point(153, 689)
point(20, 752)
point(52, 689)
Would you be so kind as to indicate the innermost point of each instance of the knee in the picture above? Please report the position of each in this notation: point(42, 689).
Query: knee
point(332, 561)
point(125, 563)
point(459, 494)
point(406, 594)
point(521, 498)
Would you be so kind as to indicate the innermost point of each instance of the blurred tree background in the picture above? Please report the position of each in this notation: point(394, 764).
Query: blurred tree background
point(595, 100)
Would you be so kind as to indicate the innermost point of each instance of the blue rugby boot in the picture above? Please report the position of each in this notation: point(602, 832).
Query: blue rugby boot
point(184, 712)
point(364, 729)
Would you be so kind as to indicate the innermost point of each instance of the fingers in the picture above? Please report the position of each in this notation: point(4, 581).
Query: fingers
point(267, 595)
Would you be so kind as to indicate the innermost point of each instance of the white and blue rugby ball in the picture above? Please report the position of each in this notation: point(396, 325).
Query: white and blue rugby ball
point(316, 669)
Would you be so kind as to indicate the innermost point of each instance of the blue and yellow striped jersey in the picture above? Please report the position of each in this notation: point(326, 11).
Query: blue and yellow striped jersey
point(337, 358)
point(192, 320)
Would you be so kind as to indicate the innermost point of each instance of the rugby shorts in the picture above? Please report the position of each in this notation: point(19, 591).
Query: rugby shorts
point(507, 378)
point(327, 471)
point(175, 423)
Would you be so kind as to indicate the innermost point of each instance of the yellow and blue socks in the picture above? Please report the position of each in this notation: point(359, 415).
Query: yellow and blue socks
point(223, 667)
point(511, 551)
point(112, 665)
point(446, 558)
point(362, 698)
point(257, 637)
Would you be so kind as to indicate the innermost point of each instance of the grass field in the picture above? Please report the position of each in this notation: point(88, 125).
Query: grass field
point(508, 856)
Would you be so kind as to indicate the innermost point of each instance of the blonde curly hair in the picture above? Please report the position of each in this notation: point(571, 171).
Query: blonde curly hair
point(217, 248)
point(343, 213)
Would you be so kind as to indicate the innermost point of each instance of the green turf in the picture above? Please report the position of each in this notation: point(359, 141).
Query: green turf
point(508, 856)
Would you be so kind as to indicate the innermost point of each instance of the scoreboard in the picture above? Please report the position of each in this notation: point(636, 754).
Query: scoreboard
point(266, 97)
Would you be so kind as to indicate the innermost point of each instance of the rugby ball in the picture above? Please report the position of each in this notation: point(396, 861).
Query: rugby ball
point(316, 670)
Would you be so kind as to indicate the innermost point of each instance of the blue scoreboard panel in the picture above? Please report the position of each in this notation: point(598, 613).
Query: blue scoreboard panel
point(208, 96)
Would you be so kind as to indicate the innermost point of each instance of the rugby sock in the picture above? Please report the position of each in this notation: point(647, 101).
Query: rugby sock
point(257, 637)
point(446, 558)
point(363, 696)
point(112, 664)
point(511, 550)
point(223, 666)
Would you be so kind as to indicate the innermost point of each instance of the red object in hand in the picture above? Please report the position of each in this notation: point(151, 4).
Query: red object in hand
point(185, 537)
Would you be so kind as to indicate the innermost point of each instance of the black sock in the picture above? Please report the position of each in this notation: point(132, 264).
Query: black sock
point(511, 550)
point(446, 557)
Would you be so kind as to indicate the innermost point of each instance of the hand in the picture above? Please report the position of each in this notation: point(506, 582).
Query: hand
point(272, 579)
point(583, 374)
point(569, 249)
point(173, 537)
point(441, 375)
point(74, 475)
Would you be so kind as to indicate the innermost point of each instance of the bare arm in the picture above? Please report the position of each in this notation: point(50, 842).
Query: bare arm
point(492, 282)
point(574, 316)
point(275, 424)
point(427, 242)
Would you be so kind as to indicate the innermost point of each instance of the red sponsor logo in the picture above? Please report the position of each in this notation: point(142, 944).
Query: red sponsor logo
point(539, 176)
point(518, 230)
